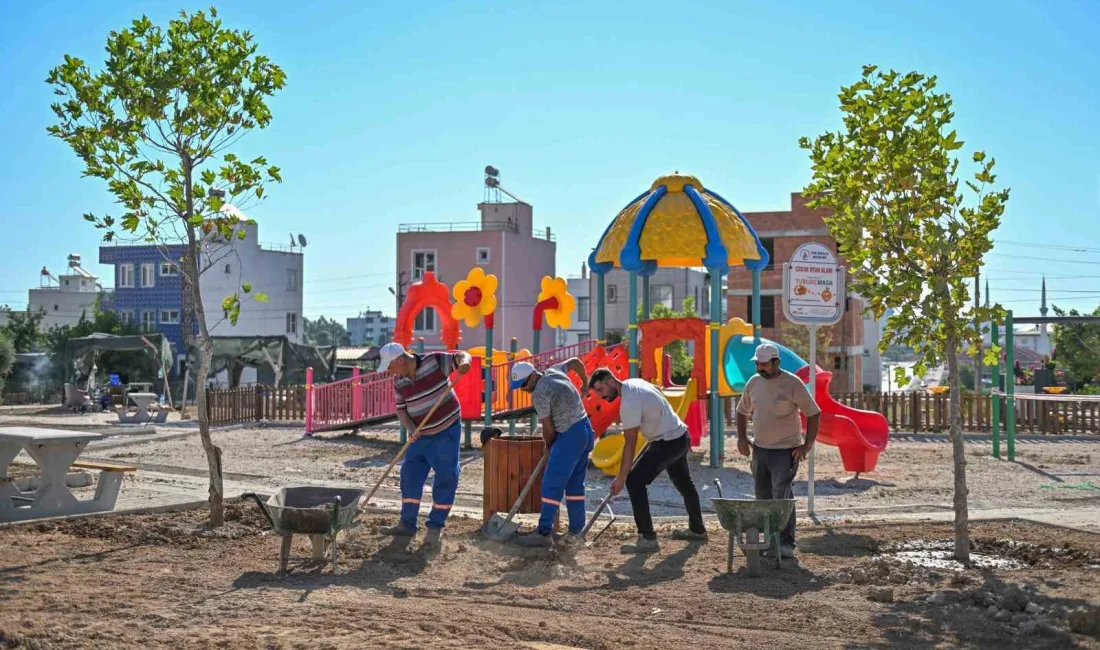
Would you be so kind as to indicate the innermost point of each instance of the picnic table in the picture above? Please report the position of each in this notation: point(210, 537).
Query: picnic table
point(142, 401)
point(54, 451)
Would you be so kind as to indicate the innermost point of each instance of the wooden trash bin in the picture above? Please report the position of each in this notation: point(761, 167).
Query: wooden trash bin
point(509, 462)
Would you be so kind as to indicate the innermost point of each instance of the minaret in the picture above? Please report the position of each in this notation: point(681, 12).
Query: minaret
point(987, 293)
point(1044, 339)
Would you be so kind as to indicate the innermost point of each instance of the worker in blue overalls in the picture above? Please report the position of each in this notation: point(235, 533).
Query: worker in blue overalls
point(569, 437)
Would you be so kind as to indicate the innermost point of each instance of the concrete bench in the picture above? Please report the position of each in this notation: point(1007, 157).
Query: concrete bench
point(110, 479)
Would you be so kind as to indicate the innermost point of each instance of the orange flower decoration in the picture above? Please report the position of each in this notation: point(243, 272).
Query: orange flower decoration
point(562, 315)
point(475, 297)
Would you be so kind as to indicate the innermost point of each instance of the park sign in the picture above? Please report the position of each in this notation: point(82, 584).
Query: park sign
point(813, 286)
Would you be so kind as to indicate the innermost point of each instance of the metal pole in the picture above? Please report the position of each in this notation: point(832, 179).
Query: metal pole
point(647, 299)
point(756, 306)
point(601, 337)
point(513, 345)
point(488, 372)
point(981, 342)
point(1010, 387)
point(813, 390)
point(717, 430)
point(632, 327)
point(993, 394)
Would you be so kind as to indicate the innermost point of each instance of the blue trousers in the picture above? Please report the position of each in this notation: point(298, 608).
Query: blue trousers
point(439, 453)
point(565, 473)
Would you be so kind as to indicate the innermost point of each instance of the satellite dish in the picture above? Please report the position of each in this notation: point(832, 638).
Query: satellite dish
point(302, 240)
point(491, 171)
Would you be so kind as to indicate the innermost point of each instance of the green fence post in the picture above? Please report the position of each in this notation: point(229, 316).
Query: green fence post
point(632, 324)
point(995, 396)
point(1010, 388)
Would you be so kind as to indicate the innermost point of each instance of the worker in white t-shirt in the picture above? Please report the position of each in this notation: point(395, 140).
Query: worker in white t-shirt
point(644, 410)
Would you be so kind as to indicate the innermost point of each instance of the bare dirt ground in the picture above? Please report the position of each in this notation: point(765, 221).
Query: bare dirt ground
point(164, 581)
point(914, 472)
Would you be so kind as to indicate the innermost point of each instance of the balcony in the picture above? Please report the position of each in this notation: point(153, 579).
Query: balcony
point(474, 226)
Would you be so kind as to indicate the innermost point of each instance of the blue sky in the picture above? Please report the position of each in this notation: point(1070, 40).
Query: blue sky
point(392, 110)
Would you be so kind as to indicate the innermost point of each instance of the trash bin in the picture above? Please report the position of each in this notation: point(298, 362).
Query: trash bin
point(509, 463)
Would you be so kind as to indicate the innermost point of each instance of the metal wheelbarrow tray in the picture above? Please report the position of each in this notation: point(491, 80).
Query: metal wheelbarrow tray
point(746, 520)
point(319, 512)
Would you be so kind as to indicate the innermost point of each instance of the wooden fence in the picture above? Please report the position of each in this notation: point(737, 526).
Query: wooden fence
point(926, 412)
point(256, 403)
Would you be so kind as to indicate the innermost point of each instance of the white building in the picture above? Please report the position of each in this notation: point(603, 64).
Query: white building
point(370, 328)
point(271, 269)
point(872, 358)
point(580, 328)
point(64, 299)
point(667, 286)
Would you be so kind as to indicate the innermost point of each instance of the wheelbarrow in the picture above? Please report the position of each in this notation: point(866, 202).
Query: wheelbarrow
point(319, 512)
point(746, 519)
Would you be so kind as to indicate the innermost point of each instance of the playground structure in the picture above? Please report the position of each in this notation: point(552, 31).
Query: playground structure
point(676, 223)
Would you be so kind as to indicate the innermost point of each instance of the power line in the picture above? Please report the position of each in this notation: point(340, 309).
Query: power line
point(1045, 259)
point(1057, 247)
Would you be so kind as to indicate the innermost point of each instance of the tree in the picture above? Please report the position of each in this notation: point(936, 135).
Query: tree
point(7, 358)
point(157, 124)
point(324, 331)
point(797, 338)
point(1077, 347)
point(889, 180)
point(24, 329)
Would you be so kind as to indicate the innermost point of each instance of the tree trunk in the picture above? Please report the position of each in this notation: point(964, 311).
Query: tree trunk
point(962, 534)
point(206, 354)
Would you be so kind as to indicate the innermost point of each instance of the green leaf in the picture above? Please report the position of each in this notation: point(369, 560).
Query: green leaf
point(247, 287)
point(260, 297)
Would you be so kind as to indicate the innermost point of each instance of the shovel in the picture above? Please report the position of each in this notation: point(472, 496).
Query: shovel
point(605, 505)
point(502, 528)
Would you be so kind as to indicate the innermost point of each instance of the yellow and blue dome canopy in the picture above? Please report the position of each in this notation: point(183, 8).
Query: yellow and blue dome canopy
point(678, 223)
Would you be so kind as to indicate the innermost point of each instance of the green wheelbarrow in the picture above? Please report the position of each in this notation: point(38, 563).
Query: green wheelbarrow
point(754, 525)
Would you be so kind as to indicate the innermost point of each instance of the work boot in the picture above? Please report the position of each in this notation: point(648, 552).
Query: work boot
point(689, 535)
point(534, 539)
point(400, 529)
point(642, 546)
point(433, 538)
point(569, 540)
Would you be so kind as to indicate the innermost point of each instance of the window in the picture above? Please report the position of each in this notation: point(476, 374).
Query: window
point(769, 245)
point(55, 307)
point(148, 320)
point(425, 320)
point(170, 316)
point(583, 306)
point(126, 317)
point(661, 294)
point(83, 284)
point(767, 310)
point(292, 279)
point(147, 275)
point(423, 261)
point(66, 283)
point(168, 269)
point(291, 323)
point(482, 255)
point(126, 275)
point(228, 269)
point(612, 293)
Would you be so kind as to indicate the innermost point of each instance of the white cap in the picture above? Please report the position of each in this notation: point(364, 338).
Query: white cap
point(520, 372)
point(766, 352)
point(388, 353)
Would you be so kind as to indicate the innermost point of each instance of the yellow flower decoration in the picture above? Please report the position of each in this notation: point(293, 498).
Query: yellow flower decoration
point(562, 315)
point(475, 297)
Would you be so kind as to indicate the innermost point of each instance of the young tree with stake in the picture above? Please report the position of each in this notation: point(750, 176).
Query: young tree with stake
point(157, 124)
point(912, 238)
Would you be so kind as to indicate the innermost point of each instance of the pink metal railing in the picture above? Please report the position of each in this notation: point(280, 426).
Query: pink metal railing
point(372, 396)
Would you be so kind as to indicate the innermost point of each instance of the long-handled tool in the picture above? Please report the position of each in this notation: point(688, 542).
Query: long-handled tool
point(718, 484)
point(501, 529)
point(605, 504)
point(413, 437)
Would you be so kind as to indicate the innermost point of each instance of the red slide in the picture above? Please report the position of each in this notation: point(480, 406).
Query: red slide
point(603, 414)
point(860, 435)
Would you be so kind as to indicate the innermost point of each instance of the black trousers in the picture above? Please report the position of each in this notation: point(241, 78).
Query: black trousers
point(774, 471)
point(657, 457)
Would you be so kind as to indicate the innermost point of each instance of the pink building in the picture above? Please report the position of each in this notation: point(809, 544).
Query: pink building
point(505, 243)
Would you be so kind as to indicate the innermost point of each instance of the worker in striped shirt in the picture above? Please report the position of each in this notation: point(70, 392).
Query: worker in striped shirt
point(422, 380)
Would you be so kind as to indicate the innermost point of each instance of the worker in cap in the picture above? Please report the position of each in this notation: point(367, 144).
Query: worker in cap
point(421, 381)
point(569, 437)
point(774, 397)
